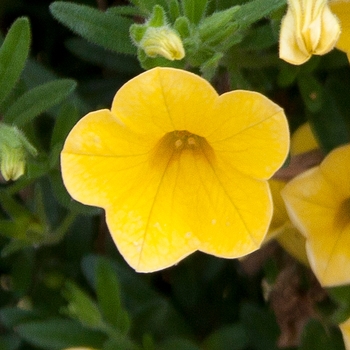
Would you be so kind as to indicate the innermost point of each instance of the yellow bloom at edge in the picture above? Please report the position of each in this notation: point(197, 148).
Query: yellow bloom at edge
point(318, 202)
point(178, 168)
point(308, 28)
point(341, 8)
point(281, 228)
point(345, 329)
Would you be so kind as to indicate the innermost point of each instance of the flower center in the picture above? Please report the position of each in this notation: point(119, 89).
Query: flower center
point(173, 144)
point(342, 218)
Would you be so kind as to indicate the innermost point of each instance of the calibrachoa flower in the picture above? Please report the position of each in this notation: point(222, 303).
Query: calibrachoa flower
point(345, 329)
point(281, 228)
point(308, 28)
point(178, 168)
point(318, 202)
point(341, 8)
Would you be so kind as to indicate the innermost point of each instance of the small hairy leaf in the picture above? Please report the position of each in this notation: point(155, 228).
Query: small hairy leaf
point(38, 100)
point(13, 54)
point(106, 29)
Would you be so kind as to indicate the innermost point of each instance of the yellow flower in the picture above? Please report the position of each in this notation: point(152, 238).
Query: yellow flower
point(178, 168)
point(341, 8)
point(318, 202)
point(308, 28)
point(345, 329)
point(281, 228)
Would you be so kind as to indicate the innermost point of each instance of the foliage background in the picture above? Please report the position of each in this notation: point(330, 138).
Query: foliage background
point(62, 281)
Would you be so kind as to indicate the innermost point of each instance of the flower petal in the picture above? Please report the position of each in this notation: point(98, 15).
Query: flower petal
point(315, 201)
point(165, 99)
point(193, 205)
point(345, 330)
point(342, 11)
point(289, 49)
point(96, 150)
point(253, 137)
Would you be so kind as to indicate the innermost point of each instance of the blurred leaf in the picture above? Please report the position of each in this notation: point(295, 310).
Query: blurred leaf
point(316, 336)
point(178, 343)
point(259, 39)
point(194, 10)
point(174, 10)
point(38, 100)
point(124, 11)
point(146, 6)
point(108, 296)
point(341, 295)
point(233, 337)
point(58, 334)
point(13, 54)
point(99, 56)
point(311, 91)
point(287, 74)
point(261, 327)
point(121, 343)
point(66, 119)
point(81, 306)
point(150, 311)
point(9, 342)
point(22, 271)
point(328, 124)
point(35, 74)
point(12, 316)
point(252, 11)
point(106, 29)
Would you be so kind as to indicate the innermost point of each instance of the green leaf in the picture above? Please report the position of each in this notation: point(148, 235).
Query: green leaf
point(38, 100)
point(179, 343)
point(65, 121)
point(211, 27)
point(174, 10)
point(106, 29)
point(261, 327)
point(81, 306)
point(97, 55)
point(13, 316)
point(59, 334)
point(315, 336)
point(194, 10)
point(252, 11)
point(228, 337)
point(13, 55)
point(341, 296)
point(311, 92)
point(328, 124)
point(108, 296)
point(9, 342)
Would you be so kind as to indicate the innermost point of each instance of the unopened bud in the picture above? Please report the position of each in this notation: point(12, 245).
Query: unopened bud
point(162, 41)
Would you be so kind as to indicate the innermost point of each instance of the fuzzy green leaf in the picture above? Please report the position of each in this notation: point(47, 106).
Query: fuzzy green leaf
point(106, 29)
point(252, 11)
point(38, 100)
point(13, 55)
point(194, 10)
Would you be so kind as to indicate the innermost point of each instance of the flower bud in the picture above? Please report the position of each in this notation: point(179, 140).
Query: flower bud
point(13, 150)
point(12, 162)
point(162, 41)
point(308, 28)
